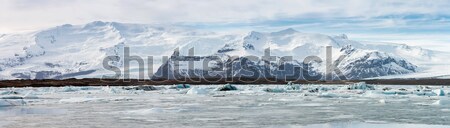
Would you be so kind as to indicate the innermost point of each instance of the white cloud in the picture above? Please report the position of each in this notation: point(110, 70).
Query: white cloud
point(31, 14)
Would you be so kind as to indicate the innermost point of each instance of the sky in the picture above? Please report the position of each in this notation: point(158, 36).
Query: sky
point(414, 22)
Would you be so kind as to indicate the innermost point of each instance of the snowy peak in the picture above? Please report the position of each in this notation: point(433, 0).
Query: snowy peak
point(78, 50)
point(342, 36)
point(360, 64)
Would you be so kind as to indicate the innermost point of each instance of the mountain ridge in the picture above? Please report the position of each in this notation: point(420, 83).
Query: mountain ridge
point(80, 49)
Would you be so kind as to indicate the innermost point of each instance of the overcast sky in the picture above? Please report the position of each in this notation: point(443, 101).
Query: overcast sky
point(415, 22)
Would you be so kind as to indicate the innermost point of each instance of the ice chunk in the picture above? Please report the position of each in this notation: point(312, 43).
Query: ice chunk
point(110, 90)
point(180, 86)
point(142, 87)
point(332, 95)
point(11, 102)
point(396, 92)
point(30, 95)
point(386, 88)
point(327, 95)
point(382, 101)
point(80, 100)
point(198, 91)
point(183, 86)
point(11, 97)
point(442, 101)
point(389, 92)
point(9, 92)
point(275, 90)
point(173, 91)
point(439, 92)
point(426, 93)
point(361, 86)
point(69, 89)
point(226, 87)
point(292, 86)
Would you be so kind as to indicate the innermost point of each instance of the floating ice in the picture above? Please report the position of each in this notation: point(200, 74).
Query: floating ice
point(142, 87)
point(226, 87)
point(145, 111)
point(110, 90)
point(92, 99)
point(11, 102)
point(361, 85)
point(389, 92)
point(80, 100)
point(396, 92)
point(15, 95)
point(275, 90)
point(382, 101)
point(291, 86)
point(69, 89)
point(30, 95)
point(11, 97)
point(198, 91)
point(183, 86)
point(174, 91)
point(333, 95)
point(8, 92)
point(327, 95)
point(426, 94)
point(439, 92)
point(442, 101)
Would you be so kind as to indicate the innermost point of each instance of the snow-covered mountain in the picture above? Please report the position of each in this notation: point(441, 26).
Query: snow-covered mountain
point(361, 61)
point(78, 51)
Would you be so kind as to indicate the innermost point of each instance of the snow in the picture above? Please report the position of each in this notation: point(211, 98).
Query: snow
point(87, 45)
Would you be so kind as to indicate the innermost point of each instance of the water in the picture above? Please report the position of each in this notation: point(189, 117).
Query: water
point(222, 109)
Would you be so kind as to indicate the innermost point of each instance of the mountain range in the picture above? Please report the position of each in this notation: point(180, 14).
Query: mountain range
point(79, 51)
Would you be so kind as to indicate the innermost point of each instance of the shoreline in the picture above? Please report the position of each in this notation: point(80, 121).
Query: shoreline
point(196, 81)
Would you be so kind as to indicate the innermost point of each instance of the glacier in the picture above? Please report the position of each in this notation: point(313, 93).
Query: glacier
point(77, 51)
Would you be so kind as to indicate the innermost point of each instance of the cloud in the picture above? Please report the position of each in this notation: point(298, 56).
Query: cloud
point(23, 14)
point(395, 20)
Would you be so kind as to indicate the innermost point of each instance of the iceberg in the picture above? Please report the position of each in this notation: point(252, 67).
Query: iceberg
point(227, 87)
point(292, 86)
point(198, 91)
point(439, 92)
point(275, 90)
point(360, 86)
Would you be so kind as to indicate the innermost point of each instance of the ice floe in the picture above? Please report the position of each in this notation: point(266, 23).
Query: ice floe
point(227, 87)
point(442, 101)
point(198, 91)
point(11, 102)
point(361, 86)
point(439, 92)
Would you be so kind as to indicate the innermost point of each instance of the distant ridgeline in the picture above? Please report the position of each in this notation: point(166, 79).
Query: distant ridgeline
point(98, 49)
